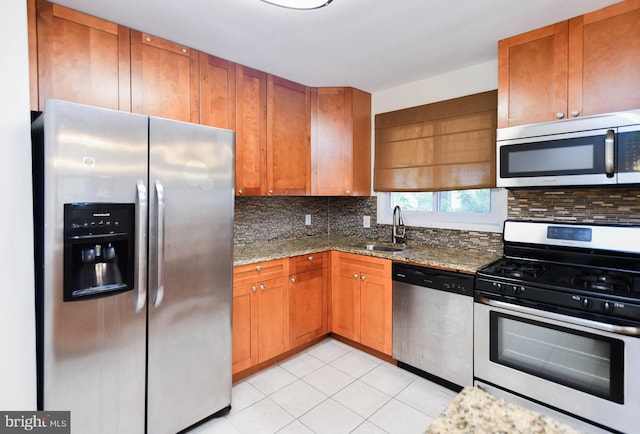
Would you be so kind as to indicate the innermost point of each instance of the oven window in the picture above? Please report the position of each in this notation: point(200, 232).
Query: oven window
point(582, 361)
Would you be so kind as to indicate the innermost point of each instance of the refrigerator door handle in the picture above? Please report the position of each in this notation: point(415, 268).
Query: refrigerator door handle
point(141, 246)
point(159, 293)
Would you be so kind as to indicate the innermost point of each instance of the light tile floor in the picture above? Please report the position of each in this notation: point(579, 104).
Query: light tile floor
point(331, 388)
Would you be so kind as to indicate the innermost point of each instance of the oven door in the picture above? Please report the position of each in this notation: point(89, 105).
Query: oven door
point(550, 359)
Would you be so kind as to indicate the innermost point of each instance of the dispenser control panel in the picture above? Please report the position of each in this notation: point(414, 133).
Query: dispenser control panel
point(98, 249)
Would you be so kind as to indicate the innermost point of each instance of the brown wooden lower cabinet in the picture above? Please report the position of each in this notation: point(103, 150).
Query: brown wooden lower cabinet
point(284, 304)
point(260, 313)
point(308, 293)
point(361, 300)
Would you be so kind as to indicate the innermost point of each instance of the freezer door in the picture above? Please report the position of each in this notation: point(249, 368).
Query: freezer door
point(190, 273)
point(91, 352)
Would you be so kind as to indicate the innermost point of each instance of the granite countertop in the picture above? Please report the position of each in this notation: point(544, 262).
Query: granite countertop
point(463, 260)
point(475, 411)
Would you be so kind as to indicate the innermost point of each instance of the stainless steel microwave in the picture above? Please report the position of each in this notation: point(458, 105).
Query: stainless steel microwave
point(592, 150)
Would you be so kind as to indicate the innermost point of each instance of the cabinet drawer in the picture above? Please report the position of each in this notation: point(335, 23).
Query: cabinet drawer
point(313, 261)
point(362, 263)
point(243, 274)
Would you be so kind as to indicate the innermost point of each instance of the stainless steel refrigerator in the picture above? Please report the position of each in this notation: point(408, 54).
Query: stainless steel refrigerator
point(134, 256)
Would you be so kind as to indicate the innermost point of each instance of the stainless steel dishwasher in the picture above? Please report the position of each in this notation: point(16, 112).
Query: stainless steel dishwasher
point(433, 323)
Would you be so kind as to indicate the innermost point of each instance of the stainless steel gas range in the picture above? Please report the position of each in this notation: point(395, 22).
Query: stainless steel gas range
point(557, 320)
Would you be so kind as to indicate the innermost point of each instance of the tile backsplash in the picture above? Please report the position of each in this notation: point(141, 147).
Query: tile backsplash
point(259, 219)
point(610, 205)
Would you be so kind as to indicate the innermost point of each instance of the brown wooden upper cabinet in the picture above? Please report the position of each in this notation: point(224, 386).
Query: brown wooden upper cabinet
point(251, 132)
point(77, 57)
point(581, 67)
point(164, 78)
point(272, 136)
point(340, 142)
point(217, 97)
point(288, 147)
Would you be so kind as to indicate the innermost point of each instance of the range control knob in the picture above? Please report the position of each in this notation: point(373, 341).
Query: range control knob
point(586, 302)
point(607, 307)
point(516, 291)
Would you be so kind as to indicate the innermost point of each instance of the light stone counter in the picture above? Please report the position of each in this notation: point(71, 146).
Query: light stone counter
point(475, 411)
point(464, 260)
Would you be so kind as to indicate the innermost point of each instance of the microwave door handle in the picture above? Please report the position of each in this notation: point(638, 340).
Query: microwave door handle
point(609, 142)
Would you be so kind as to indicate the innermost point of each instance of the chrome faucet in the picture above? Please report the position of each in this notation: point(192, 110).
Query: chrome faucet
point(398, 232)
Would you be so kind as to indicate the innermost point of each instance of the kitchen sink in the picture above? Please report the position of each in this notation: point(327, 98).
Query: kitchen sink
point(381, 248)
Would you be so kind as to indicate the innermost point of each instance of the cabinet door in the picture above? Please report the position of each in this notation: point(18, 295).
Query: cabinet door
point(532, 76)
point(81, 58)
point(164, 78)
point(245, 327)
point(376, 313)
point(217, 92)
point(273, 318)
point(308, 306)
point(288, 148)
point(340, 142)
point(251, 133)
point(604, 60)
point(345, 303)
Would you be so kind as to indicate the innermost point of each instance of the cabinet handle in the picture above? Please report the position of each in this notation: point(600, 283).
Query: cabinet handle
point(270, 191)
point(293, 279)
point(355, 275)
point(560, 115)
point(258, 267)
point(575, 113)
point(253, 288)
point(262, 287)
point(362, 277)
point(310, 258)
point(241, 192)
point(348, 192)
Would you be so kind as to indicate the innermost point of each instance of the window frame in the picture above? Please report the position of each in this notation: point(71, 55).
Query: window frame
point(481, 222)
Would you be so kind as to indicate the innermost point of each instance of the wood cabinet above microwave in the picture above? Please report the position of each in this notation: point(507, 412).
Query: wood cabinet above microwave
point(581, 67)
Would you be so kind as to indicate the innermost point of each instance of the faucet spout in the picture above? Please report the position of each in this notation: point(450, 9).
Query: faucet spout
point(398, 233)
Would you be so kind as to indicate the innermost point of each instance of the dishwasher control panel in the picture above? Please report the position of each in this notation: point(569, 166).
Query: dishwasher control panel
point(442, 280)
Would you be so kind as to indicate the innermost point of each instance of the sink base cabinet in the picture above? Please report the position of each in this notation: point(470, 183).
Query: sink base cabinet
point(361, 300)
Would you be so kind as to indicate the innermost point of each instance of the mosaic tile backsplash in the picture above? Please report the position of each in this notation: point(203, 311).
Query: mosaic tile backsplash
point(259, 219)
point(611, 205)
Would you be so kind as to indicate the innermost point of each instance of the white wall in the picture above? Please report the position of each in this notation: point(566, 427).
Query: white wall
point(467, 81)
point(17, 317)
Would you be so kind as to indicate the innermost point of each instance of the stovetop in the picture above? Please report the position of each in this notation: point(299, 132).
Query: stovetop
point(566, 277)
point(579, 270)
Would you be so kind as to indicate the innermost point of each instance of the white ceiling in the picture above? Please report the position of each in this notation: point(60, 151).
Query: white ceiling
point(369, 44)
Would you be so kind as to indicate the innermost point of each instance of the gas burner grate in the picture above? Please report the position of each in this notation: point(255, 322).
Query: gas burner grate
point(520, 269)
point(602, 280)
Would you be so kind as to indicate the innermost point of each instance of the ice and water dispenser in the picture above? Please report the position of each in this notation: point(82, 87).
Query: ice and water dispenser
point(98, 249)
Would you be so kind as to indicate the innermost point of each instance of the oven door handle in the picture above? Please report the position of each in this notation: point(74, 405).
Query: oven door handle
point(612, 328)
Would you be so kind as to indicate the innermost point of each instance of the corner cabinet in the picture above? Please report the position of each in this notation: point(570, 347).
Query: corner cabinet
point(361, 300)
point(77, 57)
point(340, 142)
point(308, 295)
point(585, 66)
point(260, 329)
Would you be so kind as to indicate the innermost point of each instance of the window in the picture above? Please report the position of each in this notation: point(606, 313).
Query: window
point(477, 210)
